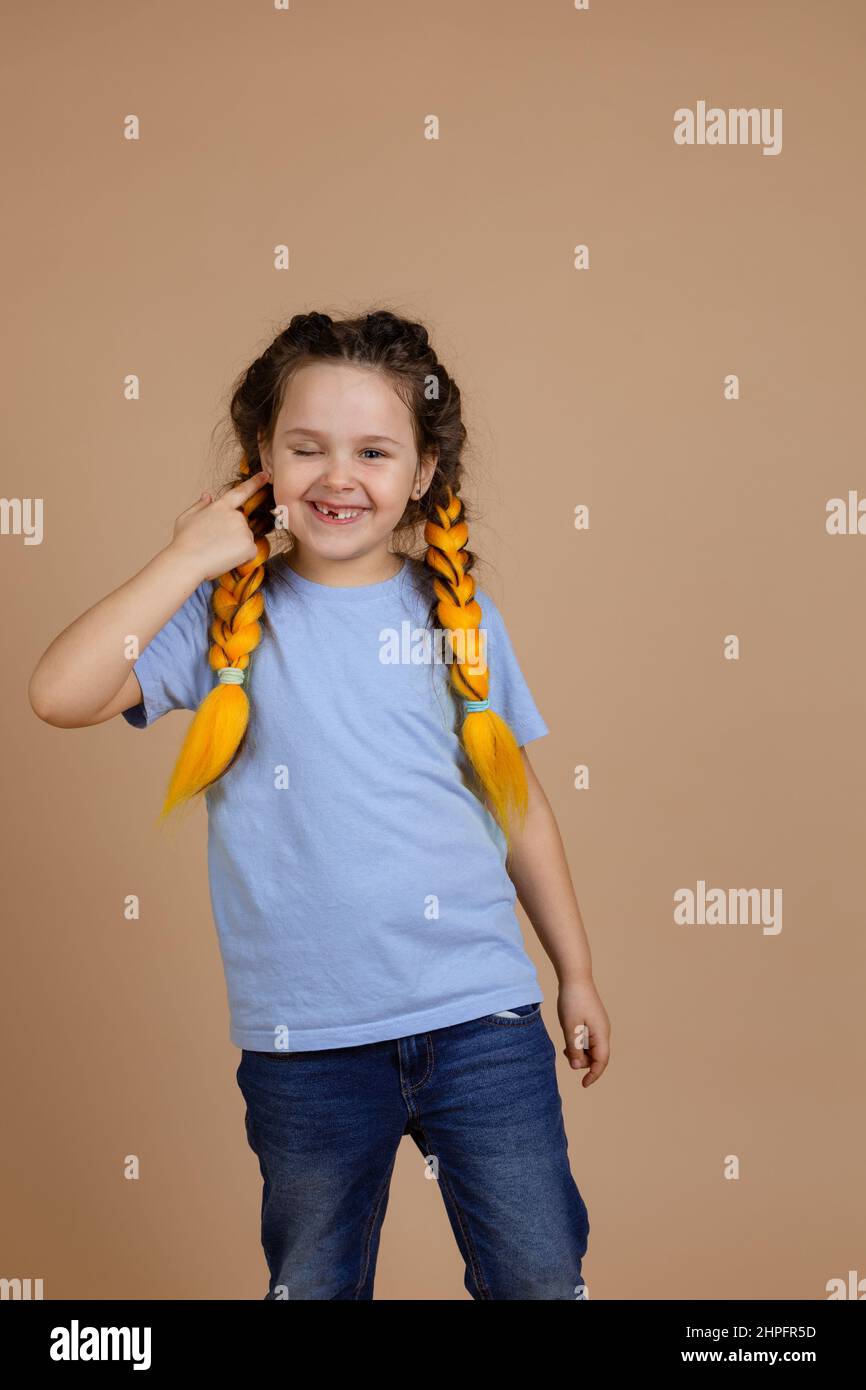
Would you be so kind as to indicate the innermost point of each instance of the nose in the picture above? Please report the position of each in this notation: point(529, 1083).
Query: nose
point(338, 474)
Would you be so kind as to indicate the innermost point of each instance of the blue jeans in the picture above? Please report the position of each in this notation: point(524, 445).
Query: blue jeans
point(481, 1102)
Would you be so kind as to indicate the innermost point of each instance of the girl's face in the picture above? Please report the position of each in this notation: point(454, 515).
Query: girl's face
point(343, 443)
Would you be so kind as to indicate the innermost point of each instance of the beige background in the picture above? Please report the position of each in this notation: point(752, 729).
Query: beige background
point(602, 387)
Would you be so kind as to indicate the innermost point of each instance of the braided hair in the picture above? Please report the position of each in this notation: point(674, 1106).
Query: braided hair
point(401, 350)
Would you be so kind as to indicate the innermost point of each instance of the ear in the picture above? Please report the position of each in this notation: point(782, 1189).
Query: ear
point(266, 457)
point(426, 469)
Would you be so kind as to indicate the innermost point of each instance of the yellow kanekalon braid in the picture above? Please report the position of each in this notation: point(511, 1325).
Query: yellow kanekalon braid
point(489, 743)
point(221, 719)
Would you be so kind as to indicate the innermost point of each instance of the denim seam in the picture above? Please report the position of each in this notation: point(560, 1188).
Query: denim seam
point(523, 1020)
point(407, 1090)
point(368, 1240)
point(458, 1212)
point(426, 1077)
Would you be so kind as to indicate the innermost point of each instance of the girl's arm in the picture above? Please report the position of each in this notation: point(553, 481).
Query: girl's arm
point(84, 677)
point(539, 871)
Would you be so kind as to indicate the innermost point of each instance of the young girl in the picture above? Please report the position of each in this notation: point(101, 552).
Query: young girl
point(372, 817)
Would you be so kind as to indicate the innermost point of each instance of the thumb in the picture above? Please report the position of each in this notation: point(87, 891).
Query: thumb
point(202, 501)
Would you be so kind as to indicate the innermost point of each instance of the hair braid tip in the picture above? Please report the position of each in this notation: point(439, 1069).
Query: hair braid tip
point(486, 738)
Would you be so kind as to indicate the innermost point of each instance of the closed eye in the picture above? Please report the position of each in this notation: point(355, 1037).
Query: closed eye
point(310, 453)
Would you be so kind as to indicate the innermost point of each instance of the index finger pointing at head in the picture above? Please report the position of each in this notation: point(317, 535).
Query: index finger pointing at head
point(240, 493)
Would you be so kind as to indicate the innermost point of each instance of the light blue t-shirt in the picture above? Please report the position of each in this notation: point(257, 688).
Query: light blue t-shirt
point(358, 885)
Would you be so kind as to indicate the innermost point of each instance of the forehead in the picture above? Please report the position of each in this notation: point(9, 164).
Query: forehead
point(336, 397)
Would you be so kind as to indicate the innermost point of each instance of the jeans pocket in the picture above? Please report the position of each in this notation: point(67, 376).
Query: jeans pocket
point(526, 1013)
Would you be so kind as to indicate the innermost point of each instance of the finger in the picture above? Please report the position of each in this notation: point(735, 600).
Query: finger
point(595, 1071)
point(598, 1056)
point(578, 1044)
point(200, 502)
point(575, 1055)
point(239, 494)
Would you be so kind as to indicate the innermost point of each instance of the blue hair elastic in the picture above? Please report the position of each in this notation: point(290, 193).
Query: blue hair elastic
point(469, 705)
point(232, 675)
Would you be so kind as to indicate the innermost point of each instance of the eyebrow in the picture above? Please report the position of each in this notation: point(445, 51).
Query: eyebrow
point(360, 438)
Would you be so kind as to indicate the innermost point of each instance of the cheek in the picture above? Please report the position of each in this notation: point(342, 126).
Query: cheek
point(290, 509)
point(390, 494)
point(289, 487)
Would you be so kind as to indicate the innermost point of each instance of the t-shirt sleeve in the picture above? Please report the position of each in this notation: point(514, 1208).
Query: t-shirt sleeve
point(173, 670)
point(509, 693)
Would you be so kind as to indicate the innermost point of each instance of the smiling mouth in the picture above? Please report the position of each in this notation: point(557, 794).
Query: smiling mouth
point(336, 516)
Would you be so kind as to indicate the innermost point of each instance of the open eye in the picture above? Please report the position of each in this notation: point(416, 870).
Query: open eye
point(310, 453)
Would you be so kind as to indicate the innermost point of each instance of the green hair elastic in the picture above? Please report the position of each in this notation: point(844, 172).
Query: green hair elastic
point(232, 675)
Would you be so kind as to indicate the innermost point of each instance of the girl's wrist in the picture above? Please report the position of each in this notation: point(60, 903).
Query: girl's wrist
point(579, 976)
point(184, 561)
